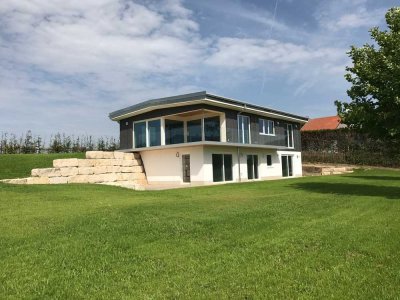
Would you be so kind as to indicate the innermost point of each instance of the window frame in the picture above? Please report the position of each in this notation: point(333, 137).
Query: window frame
point(223, 166)
point(241, 139)
point(266, 157)
point(264, 122)
point(290, 137)
point(146, 121)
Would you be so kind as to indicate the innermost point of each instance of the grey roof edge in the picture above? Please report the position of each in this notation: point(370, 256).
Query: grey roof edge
point(254, 106)
point(158, 101)
point(198, 96)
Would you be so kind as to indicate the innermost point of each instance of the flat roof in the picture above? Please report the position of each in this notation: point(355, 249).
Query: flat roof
point(199, 97)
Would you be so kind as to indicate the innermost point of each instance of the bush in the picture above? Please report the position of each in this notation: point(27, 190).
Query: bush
point(346, 146)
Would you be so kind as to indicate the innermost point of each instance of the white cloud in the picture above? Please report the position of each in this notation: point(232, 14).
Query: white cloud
point(65, 64)
point(250, 53)
point(339, 15)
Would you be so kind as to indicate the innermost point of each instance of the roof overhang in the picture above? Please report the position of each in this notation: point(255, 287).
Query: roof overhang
point(205, 98)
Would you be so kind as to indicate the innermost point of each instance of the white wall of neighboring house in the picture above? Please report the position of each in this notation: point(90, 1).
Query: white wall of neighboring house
point(165, 165)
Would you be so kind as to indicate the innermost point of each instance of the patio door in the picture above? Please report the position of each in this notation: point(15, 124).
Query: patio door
point(186, 167)
point(252, 166)
point(287, 165)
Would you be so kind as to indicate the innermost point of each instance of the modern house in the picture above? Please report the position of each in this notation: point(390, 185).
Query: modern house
point(201, 138)
point(324, 123)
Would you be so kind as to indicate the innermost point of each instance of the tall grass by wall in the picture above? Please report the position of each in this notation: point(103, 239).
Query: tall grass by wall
point(345, 146)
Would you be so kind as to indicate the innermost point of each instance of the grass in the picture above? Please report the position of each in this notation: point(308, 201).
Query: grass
point(20, 165)
point(316, 237)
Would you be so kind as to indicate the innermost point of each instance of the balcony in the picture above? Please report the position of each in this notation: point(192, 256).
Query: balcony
point(188, 127)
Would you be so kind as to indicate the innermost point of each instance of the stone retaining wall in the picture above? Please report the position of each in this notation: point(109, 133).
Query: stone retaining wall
point(113, 168)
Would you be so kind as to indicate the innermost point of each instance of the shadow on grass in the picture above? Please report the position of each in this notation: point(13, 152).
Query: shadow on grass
point(395, 178)
point(389, 192)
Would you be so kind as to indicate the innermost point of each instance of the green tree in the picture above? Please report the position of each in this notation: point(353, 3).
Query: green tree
point(375, 77)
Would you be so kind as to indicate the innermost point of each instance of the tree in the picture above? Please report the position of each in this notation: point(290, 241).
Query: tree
point(375, 77)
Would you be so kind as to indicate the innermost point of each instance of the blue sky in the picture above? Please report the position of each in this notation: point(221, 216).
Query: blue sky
point(64, 65)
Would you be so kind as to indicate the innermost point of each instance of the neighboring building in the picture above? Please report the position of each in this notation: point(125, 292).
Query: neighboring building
point(201, 138)
point(325, 123)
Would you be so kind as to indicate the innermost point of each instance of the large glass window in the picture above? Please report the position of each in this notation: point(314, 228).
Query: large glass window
point(287, 165)
point(244, 129)
point(154, 128)
point(173, 132)
point(222, 167)
point(228, 167)
point(289, 135)
point(266, 127)
point(252, 166)
point(194, 131)
point(140, 134)
point(212, 130)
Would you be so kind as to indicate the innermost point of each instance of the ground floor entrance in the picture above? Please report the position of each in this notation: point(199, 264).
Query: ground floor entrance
point(287, 165)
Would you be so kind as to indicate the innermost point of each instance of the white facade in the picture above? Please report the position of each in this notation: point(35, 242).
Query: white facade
point(165, 165)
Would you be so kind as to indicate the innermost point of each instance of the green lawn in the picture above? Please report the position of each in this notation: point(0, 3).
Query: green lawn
point(20, 165)
point(316, 237)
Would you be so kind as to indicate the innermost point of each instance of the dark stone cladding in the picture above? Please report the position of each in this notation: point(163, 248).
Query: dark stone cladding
point(126, 126)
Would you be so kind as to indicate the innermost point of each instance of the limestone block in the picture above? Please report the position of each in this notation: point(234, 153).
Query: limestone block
point(131, 163)
point(126, 169)
point(108, 155)
point(94, 178)
point(85, 163)
point(69, 171)
point(16, 181)
point(109, 177)
point(100, 170)
point(94, 154)
point(37, 180)
point(130, 176)
point(141, 181)
point(134, 169)
point(86, 170)
point(118, 155)
point(58, 180)
point(67, 162)
point(89, 162)
point(104, 162)
point(113, 169)
point(99, 154)
point(125, 177)
point(128, 156)
point(46, 172)
point(139, 176)
point(78, 179)
point(119, 162)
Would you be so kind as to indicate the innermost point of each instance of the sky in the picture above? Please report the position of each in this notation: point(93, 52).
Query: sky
point(65, 65)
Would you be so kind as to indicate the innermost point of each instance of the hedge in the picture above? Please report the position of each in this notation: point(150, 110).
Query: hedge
point(345, 146)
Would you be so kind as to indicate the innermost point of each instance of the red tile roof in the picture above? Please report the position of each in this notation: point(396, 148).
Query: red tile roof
point(326, 123)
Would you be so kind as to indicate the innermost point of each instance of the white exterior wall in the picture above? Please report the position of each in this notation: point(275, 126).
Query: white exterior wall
point(165, 165)
point(297, 165)
point(264, 171)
